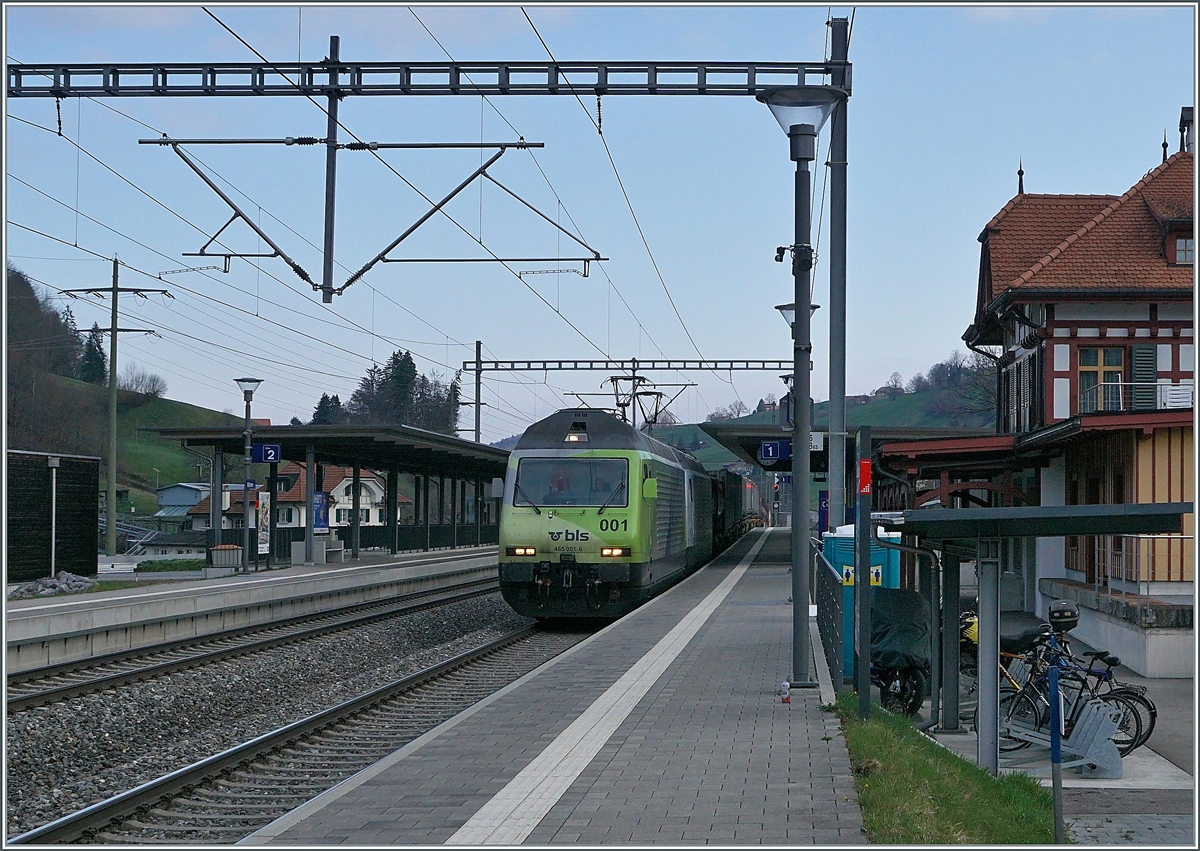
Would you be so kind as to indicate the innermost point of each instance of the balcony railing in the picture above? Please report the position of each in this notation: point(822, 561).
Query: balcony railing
point(1134, 396)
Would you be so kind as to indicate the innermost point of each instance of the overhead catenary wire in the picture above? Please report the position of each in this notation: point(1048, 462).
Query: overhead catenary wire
point(412, 186)
point(562, 206)
point(628, 202)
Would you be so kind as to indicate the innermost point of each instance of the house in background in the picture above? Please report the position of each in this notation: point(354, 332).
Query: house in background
point(1088, 301)
point(175, 501)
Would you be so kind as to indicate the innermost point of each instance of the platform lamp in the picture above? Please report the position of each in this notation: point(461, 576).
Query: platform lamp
point(248, 385)
point(801, 111)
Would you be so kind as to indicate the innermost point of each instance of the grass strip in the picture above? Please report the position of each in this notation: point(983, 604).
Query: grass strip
point(169, 565)
point(914, 792)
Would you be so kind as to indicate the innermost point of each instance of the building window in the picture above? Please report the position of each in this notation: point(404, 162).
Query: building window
point(1101, 373)
point(283, 515)
point(1185, 251)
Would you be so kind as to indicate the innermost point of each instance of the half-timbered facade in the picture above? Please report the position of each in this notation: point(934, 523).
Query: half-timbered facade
point(1086, 303)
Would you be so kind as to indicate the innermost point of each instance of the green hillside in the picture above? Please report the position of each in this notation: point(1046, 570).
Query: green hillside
point(140, 451)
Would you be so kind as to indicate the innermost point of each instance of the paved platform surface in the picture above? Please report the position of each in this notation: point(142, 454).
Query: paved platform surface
point(664, 728)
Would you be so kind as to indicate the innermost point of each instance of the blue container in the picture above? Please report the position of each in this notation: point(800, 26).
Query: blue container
point(838, 548)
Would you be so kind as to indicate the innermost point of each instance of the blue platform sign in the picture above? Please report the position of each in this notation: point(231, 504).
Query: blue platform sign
point(775, 450)
point(785, 478)
point(266, 453)
point(822, 511)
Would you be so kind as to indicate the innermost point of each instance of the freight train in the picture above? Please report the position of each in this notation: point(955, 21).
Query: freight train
point(597, 517)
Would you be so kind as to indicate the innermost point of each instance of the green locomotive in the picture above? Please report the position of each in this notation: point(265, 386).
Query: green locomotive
point(598, 517)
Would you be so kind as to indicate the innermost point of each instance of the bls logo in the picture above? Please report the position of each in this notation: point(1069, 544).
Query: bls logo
point(569, 535)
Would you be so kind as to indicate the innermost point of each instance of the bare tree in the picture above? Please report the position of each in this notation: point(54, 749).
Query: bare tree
point(137, 380)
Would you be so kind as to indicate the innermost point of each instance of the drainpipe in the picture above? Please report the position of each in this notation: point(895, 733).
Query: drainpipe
point(934, 624)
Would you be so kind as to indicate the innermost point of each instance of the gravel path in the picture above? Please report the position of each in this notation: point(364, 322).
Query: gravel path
point(63, 757)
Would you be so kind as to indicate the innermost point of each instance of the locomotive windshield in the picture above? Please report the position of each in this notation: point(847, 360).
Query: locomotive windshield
point(572, 481)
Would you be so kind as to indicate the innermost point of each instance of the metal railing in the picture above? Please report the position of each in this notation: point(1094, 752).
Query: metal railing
point(1134, 396)
point(1126, 565)
point(828, 588)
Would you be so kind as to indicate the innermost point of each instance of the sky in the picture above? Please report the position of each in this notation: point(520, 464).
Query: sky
point(946, 102)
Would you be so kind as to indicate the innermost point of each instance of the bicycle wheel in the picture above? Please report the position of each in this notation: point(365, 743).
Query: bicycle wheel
point(1129, 731)
point(1016, 708)
point(1147, 712)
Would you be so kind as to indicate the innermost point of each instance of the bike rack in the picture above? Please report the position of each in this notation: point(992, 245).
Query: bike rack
point(1090, 743)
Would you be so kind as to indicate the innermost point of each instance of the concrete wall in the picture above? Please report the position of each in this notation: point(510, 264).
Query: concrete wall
point(1166, 653)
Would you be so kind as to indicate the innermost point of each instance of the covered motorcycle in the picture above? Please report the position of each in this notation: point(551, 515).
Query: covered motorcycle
point(900, 648)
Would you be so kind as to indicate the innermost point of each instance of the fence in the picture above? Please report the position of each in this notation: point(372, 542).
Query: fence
point(829, 613)
point(376, 538)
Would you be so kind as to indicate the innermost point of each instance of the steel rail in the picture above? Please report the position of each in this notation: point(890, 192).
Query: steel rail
point(95, 817)
point(380, 611)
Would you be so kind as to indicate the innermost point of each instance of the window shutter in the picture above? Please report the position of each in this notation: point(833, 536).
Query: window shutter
point(1145, 377)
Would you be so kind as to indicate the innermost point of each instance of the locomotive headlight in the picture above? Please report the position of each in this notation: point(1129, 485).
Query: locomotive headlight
point(520, 551)
point(614, 552)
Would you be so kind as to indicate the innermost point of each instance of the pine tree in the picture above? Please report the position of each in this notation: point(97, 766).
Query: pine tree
point(93, 363)
point(328, 411)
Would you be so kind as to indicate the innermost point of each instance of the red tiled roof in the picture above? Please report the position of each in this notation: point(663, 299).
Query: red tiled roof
point(1118, 246)
point(334, 476)
point(235, 504)
point(1029, 227)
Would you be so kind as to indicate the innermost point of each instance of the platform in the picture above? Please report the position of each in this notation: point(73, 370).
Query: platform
point(49, 630)
point(663, 728)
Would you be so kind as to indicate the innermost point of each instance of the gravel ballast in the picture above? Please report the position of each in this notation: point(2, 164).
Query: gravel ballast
point(63, 757)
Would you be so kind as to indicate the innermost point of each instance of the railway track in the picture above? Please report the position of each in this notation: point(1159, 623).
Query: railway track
point(62, 682)
point(228, 796)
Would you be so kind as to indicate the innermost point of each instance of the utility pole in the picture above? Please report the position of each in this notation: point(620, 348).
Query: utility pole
point(110, 522)
point(478, 387)
point(837, 282)
point(331, 149)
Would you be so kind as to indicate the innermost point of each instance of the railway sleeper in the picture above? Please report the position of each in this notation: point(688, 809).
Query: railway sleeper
point(172, 828)
point(255, 782)
point(267, 805)
point(122, 839)
point(318, 762)
point(176, 816)
point(248, 797)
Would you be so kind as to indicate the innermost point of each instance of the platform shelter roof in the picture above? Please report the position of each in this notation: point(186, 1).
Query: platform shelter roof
point(374, 447)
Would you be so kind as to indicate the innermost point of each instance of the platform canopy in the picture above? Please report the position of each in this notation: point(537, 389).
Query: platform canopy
point(376, 447)
point(745, 439)
point(1037, 521)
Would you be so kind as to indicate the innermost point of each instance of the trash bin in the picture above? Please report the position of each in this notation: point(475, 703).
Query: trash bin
point(227, 555)
point(838, 547)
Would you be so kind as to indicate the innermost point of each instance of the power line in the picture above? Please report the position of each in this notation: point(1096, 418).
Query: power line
point(412, 186)
point(628, 202)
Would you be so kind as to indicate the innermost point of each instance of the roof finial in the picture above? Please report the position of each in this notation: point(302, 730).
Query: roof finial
point(1164, 146)
point(1020, 177)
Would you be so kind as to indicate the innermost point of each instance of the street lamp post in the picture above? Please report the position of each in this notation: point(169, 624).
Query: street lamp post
point(248, 385)
point(801, 111)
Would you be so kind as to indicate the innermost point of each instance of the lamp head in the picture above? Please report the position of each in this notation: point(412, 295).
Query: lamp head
point(248, 385)
point(792, 105)
point(789, 311)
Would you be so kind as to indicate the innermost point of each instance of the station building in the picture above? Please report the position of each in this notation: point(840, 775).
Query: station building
point(1086, 303)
